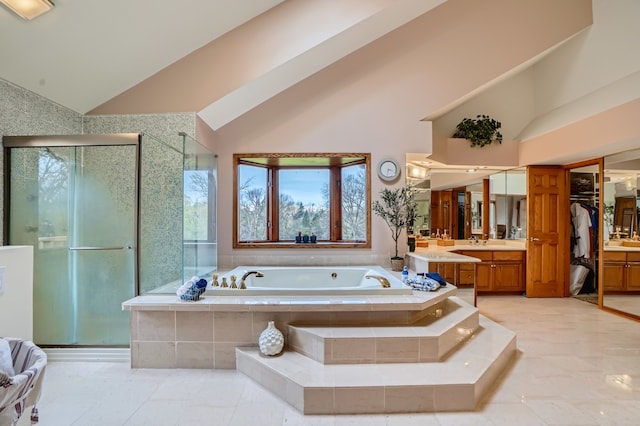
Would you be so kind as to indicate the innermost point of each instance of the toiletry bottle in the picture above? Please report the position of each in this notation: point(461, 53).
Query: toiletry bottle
point(405, 275)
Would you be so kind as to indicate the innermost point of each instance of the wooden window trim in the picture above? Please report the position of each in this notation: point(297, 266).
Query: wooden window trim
point(335, 210)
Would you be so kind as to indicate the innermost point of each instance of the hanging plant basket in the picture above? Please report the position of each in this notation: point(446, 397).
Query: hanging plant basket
point(481, 131)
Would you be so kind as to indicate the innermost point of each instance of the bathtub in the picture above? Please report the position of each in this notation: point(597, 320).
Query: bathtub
point(304, 280)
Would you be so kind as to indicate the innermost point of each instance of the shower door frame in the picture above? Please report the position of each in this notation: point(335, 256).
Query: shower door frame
point(116, 139)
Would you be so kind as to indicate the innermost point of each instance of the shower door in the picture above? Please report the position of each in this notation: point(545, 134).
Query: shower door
point(77, 206)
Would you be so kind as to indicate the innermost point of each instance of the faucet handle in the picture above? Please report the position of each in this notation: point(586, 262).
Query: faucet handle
point(224, 282)
point(233, 281)
point(214, 281)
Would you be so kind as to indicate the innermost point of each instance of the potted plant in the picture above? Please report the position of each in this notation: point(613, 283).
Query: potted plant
point(397, 207)
point(481, 130)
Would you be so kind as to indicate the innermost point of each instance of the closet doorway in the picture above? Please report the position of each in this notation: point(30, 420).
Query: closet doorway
point(585, 234)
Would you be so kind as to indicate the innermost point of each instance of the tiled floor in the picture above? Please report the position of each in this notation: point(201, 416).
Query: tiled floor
point(576, 365)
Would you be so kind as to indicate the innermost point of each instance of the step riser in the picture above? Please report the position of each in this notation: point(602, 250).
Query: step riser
point(376, 399)
point(360, 349)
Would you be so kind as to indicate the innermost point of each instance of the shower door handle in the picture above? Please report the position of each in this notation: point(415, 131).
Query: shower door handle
point(101, 248)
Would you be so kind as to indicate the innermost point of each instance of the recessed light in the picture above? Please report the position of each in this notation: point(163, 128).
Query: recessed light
point(28, 9)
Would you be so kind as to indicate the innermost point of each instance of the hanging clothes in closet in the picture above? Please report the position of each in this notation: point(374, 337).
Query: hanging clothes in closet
point(584, 237)
point(581, 230)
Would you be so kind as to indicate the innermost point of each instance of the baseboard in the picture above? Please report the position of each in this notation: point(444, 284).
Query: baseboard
point(88, 354)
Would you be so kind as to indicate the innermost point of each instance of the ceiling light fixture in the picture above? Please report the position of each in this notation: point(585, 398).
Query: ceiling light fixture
point(28, 9)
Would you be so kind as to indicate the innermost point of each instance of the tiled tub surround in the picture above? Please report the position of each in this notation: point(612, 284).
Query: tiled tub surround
point(429, 351)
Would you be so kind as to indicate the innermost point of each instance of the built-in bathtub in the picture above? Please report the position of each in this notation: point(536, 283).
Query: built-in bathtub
point(303, 280)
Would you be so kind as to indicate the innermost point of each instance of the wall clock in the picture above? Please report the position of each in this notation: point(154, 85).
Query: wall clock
point(388, 169)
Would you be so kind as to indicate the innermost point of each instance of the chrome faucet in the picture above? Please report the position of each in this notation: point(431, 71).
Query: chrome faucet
point(383, 281)
point(246, 274)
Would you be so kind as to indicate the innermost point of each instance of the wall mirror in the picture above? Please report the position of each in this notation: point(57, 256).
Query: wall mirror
point(508, 204)
point(453, 199)
point(621, 257)
point(475, 209)
point(418, 176)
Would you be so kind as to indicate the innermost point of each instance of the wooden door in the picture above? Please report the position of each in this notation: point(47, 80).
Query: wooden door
point(547, 216)
point(441, 211)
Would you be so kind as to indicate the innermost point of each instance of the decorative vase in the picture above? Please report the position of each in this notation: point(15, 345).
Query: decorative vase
point(298, 239)
point(305, 239)
point(271, 340)
point(314, 239)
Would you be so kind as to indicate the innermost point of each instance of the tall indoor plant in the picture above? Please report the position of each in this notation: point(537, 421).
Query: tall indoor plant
point(397, 207)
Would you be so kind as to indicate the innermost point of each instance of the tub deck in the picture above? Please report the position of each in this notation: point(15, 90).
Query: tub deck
point(430, 351)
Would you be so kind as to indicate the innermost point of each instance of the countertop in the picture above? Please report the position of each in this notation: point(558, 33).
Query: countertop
point(443, 254)
point(466, 245)
point(608, 247)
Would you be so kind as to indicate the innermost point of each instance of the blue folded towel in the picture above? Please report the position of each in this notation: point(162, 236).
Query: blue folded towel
point(423, 283)
point(193, 293)
point(436, 276)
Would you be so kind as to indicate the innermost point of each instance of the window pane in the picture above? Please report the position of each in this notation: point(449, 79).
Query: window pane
point(354, 213)
point(304, 203)
point(252, 205)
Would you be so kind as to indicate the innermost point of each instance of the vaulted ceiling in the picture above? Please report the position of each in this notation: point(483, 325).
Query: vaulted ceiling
point(217, 58)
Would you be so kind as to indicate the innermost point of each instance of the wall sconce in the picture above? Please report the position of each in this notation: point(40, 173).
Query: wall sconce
point(28, 9)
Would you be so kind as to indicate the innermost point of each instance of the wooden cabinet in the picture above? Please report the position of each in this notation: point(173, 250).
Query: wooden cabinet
point(447, 270)
point(621, 271)
point(466, 275)
point(498, 271)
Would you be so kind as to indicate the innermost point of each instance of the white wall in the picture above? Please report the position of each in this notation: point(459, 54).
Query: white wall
point(16, 302)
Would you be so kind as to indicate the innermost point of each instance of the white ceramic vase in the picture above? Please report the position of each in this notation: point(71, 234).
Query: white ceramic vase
point(271, 340)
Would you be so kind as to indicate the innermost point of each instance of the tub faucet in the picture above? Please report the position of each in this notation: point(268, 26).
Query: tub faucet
point(383, 281)
point(246, 274)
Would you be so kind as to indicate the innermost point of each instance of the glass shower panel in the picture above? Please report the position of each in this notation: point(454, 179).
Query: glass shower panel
point(39, 210)
point(76, 205)
point(102, 241)
point(199, 217)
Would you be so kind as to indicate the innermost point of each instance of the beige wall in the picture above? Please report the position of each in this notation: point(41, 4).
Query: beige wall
point(374, 100)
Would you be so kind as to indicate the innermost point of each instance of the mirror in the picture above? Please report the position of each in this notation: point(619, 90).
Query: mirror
point(621, 257)
point(508, 204)
point(418, 176)
point(475, 210)
point(453, 199)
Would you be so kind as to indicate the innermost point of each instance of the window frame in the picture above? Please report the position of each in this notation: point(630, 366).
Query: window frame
point(271, 161)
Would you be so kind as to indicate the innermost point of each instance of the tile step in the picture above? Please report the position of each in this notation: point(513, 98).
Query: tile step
point(456, 383)
point(428, 340)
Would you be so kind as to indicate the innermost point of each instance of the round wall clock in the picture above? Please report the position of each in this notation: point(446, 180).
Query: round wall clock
point(388, 169)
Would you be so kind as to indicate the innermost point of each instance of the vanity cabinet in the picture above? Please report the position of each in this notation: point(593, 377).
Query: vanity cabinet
point(499, 270)
point(446, 270)
point(621, 271)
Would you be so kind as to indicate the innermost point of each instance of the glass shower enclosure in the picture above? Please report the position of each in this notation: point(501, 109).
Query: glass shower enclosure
point(109, 217)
